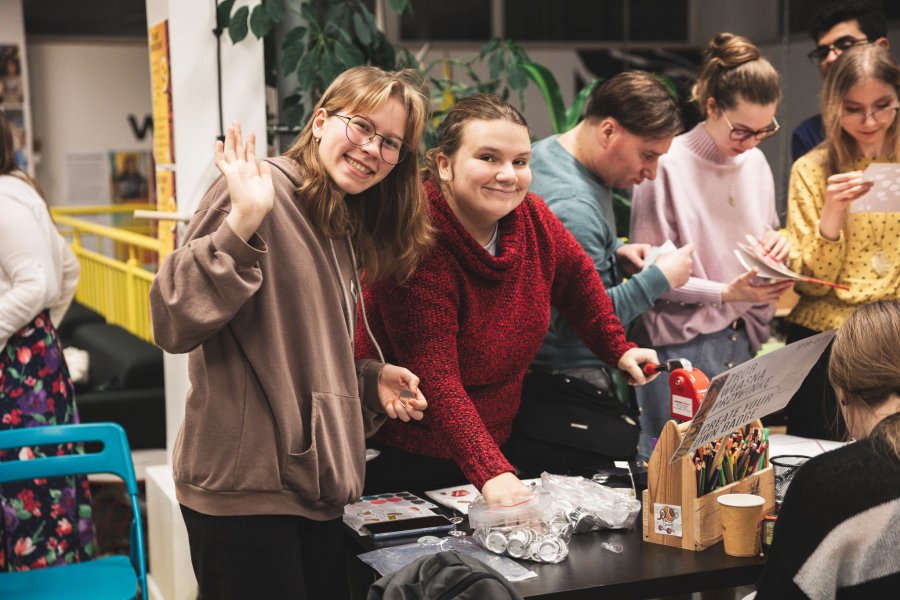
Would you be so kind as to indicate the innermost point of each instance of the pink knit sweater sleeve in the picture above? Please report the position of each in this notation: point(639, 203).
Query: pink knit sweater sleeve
point(421, 321)
point(653, 221)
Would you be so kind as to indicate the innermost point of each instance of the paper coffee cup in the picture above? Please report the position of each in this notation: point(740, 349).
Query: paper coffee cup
point(740, 515)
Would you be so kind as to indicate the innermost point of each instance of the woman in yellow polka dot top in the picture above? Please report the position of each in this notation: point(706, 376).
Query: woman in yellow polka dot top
point(860, 250)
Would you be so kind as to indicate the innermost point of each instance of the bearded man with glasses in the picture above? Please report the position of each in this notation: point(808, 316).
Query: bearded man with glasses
point(837, 26)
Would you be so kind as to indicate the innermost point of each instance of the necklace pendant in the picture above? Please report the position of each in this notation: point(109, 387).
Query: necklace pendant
point(881, 263)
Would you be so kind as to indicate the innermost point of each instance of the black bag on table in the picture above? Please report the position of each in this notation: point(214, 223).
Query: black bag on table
point(562, 412)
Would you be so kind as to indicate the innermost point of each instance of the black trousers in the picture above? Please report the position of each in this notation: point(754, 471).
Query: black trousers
point(267, 556)
point(813, 412)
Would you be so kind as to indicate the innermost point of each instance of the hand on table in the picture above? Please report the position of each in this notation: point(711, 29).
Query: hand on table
point(505, 490)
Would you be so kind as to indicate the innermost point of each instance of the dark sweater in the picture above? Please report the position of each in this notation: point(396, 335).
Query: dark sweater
point(469, 324)
point(807, 136)
point(838, 532)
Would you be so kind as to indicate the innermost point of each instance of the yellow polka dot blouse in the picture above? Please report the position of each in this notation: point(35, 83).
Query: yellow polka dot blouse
point(848, 260)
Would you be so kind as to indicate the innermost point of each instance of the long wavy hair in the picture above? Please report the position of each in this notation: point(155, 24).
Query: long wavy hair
point(734, 69)
point(865, 362)
point(854, 66)
point(388, 223)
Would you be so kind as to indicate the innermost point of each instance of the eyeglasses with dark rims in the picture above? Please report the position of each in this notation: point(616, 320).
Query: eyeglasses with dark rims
point(739, 134)
point(361, 131)
point(820, 53)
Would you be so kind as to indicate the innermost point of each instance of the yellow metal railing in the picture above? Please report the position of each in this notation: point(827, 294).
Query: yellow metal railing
point(116, 270)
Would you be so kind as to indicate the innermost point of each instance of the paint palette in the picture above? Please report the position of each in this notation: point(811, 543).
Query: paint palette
point(386, 507)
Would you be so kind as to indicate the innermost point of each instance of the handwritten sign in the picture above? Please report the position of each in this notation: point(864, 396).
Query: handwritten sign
point(752, 390)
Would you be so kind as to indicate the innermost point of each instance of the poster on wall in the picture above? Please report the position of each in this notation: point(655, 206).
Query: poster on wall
point(12, 100)
point(161, 92)
point(163, 135)
point(165, 201)
point(130, 183)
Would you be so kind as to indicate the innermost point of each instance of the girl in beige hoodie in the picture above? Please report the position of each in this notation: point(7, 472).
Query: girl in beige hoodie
point(263, 294)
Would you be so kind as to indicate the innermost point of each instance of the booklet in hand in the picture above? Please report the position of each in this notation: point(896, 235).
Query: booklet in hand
point(753, 254)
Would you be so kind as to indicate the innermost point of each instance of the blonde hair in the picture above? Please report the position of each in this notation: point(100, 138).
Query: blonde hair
point(854, 66)
point(388, 222)
point(733, 68)
point(865, 361)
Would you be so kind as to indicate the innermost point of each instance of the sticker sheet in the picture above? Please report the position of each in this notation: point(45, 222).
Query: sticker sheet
point(461, 496)
point(386, 507)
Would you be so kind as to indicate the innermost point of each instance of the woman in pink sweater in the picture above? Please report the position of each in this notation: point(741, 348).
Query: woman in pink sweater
point(472, 317)
point(713, 187)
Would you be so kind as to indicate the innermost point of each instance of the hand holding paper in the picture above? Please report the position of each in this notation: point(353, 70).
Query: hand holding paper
point(751, 256)
point(675, 263)
point(884, 195)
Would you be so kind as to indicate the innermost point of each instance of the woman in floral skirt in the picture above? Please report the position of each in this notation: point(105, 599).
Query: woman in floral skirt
point(45, 521)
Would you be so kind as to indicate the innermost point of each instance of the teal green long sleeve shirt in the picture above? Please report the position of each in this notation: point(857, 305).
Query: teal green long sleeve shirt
point(583, 203)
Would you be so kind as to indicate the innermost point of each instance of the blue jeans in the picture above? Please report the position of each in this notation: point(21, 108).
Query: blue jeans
point(712, 353)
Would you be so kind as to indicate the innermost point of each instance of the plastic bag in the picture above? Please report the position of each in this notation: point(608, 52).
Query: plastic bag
point(394, 558)
point(536, 529)
point(589, 505)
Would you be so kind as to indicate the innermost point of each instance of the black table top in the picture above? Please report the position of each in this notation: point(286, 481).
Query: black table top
point(641, 570)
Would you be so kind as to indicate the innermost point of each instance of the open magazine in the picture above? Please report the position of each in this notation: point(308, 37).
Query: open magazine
point(753, 254)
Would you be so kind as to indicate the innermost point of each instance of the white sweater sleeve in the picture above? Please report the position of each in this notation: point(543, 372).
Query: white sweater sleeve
point(27, 262)
point(71, 271)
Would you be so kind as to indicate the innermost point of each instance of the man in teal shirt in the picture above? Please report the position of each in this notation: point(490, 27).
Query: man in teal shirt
point(629, 123)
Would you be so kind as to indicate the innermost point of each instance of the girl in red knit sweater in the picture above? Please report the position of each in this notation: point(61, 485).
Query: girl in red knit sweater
point(472, 317)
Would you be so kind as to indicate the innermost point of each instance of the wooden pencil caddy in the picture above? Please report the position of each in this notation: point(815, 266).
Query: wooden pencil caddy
point(675, 485)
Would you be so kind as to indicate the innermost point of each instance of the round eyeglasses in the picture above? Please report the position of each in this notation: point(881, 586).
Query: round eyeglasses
point(740, 134)
point(882, 115)
point(361, 131)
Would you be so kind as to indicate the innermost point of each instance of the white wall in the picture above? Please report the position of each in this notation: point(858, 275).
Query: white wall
point(82, 93)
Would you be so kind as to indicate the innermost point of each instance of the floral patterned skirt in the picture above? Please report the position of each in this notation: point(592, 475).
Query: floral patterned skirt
point(45, 521)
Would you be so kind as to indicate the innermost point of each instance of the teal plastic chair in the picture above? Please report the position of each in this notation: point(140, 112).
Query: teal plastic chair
point(106, 577)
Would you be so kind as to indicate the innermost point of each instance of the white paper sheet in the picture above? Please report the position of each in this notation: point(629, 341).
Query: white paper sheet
point(752, 390)
point(459, 497)
point(885, 194)
point(655, 251)
point(781, 444)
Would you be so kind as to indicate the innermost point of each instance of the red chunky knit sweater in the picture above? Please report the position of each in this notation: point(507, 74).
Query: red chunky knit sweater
point(469, 325)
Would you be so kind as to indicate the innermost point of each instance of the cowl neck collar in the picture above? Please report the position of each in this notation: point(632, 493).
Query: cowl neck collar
point(472, 255)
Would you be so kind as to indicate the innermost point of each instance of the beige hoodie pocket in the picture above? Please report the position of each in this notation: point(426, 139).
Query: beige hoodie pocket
point(331, 469)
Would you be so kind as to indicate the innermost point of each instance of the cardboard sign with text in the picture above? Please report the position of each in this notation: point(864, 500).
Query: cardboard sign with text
point(752, 390)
